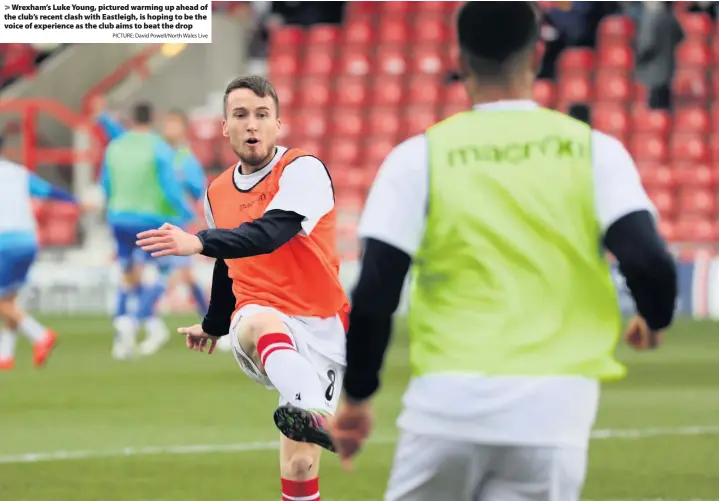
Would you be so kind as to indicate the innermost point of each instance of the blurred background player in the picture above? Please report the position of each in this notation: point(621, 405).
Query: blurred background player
point(513, 314)
point(18, 248)
point(173, 269)
point(143, 191)
point(275, 288)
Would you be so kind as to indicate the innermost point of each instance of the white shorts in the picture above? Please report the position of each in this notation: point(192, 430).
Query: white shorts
point(429, 468)
point(320, 341)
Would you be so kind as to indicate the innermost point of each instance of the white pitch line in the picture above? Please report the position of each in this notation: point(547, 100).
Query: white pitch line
point(37, 457)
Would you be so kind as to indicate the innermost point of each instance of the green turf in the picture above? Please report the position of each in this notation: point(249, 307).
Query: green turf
point(85, 400)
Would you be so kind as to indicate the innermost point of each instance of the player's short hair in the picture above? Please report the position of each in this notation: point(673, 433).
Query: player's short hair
point(179, 113)
point(142, 114)
point(257, 84)
point(492, 36)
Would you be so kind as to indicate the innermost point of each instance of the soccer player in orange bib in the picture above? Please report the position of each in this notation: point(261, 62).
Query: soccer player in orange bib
point(275, 288)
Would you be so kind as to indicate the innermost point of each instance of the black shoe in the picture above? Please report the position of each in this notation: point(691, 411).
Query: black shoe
point(304, 425)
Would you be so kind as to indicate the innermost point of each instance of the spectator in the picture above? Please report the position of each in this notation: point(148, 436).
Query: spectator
point(658, 35)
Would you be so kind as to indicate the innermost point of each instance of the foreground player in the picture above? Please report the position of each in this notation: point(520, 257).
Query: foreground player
point(18, 248)
point(142, 191)
point(275, 287)
point(513, 314)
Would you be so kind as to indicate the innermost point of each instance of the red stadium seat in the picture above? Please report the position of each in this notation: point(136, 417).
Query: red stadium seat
point(392, 31)
point(456, 95)
point(350, 92)
point(395, 9)
point(428, 60)
point(613, 86)
point(205, 127)
point(383, 123)
point(313, 146)
point(664, 201)
point(286, 38)
point(695, 229)
point(618, 29)
point(692, 120)
point(618, 57)
point(693, 54)
point(648, 120)
point(697, 201)
point(690, 86)
point(576, 60)
point(418, 119)
point(544, 93)
point(694, 175)
point(387, 91)
point(358, 33)
point(314, 92)
point(656, 176)
point(433, 8)
point(391, 60)
point(376, 150)
point(452, 109)
point(343, 153)
point(612, 119)
point(688, 146)
point(649, 147)
point(667, 229)
point(696, 25)
point(430, 30)
point(354, 61)
point(285, 64)
point(319, 61)
point(203, 149)
point(322, 34)
point(424, 90)
point(314, 124)
point(575, 89)
point(285, 87)
point(348, 123)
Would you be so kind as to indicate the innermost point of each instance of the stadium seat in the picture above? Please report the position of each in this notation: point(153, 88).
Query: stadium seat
point(347, 123)
point(649, 147)
point(392, 31)
point(695, 229)
point(574, 89)
point(434, 8)
point(391, 60)
point(431, 30)
point(689, 146)
point(544, 93)
point(618, 57)
point(613, 86)
point(648, 120)
point(343, 153)
point(350, 92)
point(696, 25)
point(376, 150)
point(322, 35)
point(616, 29)
point(285, 64)
point(314, 92)
point(656, 176)
point(395, 9)
point(456, 95)
point(693, 54)
point(387, 91)
point(692, 120)
point(285, 38)
point(424, 90)
point(697, 201)
point(429, 60)
point(354, 61)
point(203, 150)
point(383, 123)
point(417, 119)
point(690, 87)
point(205, 127)
point(612, 119)
point(664, 201)
point(313, 146)
point(667, 229)
point(576, 60)
point(358, 33)
point(314, 123)
point(694, 175)
point(319, 61)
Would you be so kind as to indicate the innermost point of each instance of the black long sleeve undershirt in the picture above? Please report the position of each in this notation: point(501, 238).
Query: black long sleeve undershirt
point(643, 258)
point(648, 267)
point(261, 236)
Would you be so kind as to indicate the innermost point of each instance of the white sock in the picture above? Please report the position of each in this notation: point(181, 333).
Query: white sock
point(32, 329)
point(126, 330)
point(7, 344)
point(292, 374)
point(156, 328)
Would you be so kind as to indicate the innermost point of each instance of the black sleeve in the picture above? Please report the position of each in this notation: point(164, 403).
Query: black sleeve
point(222, 302)
point(261, 236)
point(374, 300)
point(647, 266)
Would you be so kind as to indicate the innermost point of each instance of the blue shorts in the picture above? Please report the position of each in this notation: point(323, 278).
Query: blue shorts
point(178, 262)
point(14, 267)
point(129, 254)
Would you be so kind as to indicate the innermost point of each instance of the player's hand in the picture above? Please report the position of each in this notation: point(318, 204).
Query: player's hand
point(169, 240)
point(640, 337)
point(350, 427)
point(196, 339)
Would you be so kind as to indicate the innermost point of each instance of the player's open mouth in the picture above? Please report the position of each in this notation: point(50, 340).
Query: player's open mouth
point(252, 140)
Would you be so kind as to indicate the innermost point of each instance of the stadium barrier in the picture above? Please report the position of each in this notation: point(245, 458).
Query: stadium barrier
point(69, 290)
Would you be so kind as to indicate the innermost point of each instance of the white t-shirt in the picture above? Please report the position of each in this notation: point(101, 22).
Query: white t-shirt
point(523, 410)
point(303, 176)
